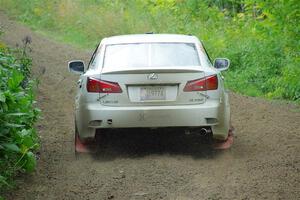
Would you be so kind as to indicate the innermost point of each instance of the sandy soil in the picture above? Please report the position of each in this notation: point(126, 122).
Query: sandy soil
point(262, 164)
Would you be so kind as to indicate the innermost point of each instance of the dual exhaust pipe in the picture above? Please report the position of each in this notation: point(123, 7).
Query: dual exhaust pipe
point(202, 132)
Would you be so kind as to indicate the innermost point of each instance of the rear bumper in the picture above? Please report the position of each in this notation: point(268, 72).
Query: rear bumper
point(90, 117)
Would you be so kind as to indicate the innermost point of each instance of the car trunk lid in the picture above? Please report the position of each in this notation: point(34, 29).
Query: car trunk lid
point(145, 86)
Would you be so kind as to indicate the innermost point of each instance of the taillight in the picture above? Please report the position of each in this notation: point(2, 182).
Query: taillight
point(203, 84)
point(100, 86)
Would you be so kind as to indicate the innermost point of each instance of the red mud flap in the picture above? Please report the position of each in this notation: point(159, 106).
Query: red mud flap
point(224, 144)
point(84, 146)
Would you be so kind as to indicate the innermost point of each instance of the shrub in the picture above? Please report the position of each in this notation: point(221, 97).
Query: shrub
point(18, 137)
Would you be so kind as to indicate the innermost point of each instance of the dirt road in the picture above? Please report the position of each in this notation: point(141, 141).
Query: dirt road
point(262, 164)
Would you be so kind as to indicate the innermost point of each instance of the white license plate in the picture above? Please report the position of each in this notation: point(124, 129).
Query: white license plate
point(152, 93)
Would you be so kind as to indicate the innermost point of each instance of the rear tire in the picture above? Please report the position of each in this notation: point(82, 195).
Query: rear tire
point(225, 144)
point(83, 146)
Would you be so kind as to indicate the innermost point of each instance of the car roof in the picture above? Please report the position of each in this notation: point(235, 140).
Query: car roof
point(148, 38)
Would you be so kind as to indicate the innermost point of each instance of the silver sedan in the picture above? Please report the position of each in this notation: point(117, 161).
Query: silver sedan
point(150, 81)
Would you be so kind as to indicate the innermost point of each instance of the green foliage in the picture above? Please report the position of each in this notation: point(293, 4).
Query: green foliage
point(261, 38)
point(18, 138)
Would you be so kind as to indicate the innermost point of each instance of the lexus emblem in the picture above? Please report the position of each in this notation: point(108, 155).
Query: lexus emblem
point(152, 76)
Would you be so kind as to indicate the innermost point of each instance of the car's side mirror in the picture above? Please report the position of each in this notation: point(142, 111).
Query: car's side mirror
point(221, 63)
point(76, 66)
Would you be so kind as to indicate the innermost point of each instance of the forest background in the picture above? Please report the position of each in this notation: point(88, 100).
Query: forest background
point(261, 38)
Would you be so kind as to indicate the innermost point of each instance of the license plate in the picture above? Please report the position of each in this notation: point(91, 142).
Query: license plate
point(153, 93)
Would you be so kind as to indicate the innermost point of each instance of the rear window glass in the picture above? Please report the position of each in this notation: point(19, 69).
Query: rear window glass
point(150, 55)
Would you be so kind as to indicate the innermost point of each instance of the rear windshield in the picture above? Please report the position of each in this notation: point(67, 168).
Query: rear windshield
point(150, 55)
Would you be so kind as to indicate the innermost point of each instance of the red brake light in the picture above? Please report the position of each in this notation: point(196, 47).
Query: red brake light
point(203, 84)
point(212, 82)
point(100, 86)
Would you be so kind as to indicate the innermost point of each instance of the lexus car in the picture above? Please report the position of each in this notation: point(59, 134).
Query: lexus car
point(150, 81)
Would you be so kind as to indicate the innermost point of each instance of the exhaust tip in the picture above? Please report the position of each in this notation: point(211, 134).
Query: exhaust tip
point(203, 131)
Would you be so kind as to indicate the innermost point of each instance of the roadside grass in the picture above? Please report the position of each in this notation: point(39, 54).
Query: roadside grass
point(261, 39)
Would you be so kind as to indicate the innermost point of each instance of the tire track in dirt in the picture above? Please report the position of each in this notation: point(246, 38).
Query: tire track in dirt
point(263, 163)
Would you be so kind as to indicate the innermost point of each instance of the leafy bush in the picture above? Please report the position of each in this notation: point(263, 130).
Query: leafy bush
point(18, 138)
point(261, 38)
